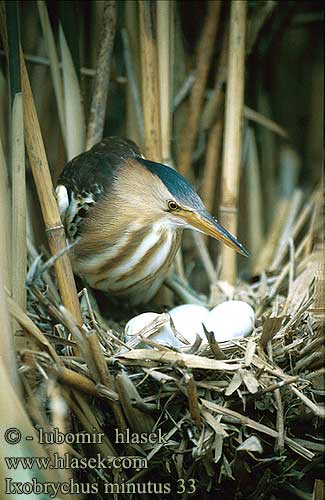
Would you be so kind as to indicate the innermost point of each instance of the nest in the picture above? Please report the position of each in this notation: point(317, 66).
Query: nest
point(240, 418)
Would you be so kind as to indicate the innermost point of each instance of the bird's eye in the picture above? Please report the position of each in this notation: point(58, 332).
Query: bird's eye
point(172, 205)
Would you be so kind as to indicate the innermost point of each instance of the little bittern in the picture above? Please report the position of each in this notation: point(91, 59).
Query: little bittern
point(126, 215)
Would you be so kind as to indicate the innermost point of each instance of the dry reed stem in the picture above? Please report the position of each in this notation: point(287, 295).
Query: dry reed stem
point(53, 61)
point(5, 220)
point(141, 356)
point(258, 427)
point(149, 83)
point(291, 216)
point(233, 134)
point(26, 323)
point(209, 181)
point(203, 60)
point(8, 355)
point(319, 489)
point(301, 220)
point(264, 259)
point(40, 169)
point(165, 30)
point(76, 381)
point(186, 295)
point(101, 83)
point(106, 378)
point(19, 246)
point(45, 61)
point(213, 104)
point(279, 409)
point(254, 196)
point(89, 422)
point(132, 56)
point(266, 122)
point(205, 257)
point(129, 396)
point(73, 106)
point(134, 94)
point(193, 402)
point(318, 308)
point(257, 21)
point(183, 91)
point(14, 414)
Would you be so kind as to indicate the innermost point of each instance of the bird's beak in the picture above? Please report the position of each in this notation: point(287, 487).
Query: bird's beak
point(205, 223)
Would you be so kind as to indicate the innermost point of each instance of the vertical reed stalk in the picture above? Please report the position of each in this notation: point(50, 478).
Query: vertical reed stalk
point(294, 203)
point(150, 83)
point(131, 42)
point(264, 259)
point(54, 62)
point(233, 133)
point(135, 125)
point(203, 59)
point(209, 181)
point(164, 44)
point(50, 212)
point(18, 235)
point(212, 105)
point(254, 196)
point(101, 84)
point(74, 113)
point(5, 221)
point(19, 245)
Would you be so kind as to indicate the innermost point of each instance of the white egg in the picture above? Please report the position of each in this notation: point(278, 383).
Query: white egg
point(188, 320)
point(164, 336)
point(136, 324)
point(230, 319)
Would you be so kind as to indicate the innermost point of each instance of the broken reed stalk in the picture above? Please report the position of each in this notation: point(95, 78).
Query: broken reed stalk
point(41, 173)
point(149, 82)
point(101, 83)
point(233, 134)
point(164, 45)
point(203, 60)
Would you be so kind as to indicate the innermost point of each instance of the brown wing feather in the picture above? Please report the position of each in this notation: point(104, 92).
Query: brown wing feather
point(88, 177)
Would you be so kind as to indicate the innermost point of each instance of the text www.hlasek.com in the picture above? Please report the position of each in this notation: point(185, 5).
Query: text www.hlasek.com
point(68, 462)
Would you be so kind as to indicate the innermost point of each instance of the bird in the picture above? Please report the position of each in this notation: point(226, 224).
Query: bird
point(124, 216)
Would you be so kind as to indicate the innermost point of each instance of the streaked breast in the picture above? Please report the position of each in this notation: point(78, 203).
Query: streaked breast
point(135, 265)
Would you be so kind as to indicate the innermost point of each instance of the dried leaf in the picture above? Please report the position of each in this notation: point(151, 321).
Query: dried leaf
point(234, 384)
point(251, 444)
point(250, 381)
point(185, 360)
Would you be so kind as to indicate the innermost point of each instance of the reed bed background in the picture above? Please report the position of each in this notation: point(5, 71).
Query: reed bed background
point(231, 95)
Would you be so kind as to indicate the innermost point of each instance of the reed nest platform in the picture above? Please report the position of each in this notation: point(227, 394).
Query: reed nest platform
point(231, 95)
point(242, 418)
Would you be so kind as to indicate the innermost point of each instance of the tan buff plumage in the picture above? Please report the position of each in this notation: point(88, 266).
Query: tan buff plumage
point(128, 215)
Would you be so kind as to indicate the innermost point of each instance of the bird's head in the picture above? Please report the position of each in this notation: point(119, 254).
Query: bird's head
point(158, 193)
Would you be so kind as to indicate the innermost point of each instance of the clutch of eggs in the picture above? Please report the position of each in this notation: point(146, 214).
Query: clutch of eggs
point(230, 319)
